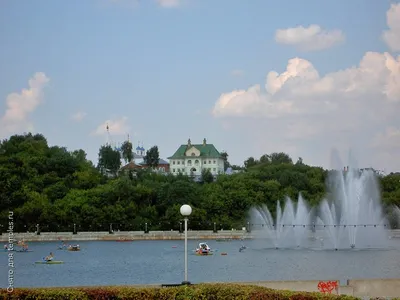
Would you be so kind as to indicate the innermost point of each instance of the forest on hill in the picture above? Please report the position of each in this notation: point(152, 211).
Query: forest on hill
point(56, 188)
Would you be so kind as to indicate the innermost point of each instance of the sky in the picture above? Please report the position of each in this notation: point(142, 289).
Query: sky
point(252, 77)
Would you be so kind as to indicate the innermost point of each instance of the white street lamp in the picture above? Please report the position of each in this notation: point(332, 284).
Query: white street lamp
point(186, 210)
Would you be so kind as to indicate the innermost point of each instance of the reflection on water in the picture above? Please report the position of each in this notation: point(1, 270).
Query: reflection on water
point(152, 262)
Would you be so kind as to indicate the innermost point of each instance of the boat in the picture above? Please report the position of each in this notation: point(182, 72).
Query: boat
point(74, 248)
point(17, 250)
point(242, 248)
point(49, 262)
point(124, 240)
point(203, 249)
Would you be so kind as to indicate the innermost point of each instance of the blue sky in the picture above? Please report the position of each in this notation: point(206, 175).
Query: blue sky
point(163, 73)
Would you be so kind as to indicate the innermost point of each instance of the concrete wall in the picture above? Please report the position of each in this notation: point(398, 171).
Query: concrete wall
point(353, 287)
point(134, 235)
point(298, 286)
point(140, 235)
point(366, 288)
point(375, 287)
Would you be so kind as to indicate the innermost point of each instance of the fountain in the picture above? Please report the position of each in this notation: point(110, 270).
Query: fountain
point(291, 226)
point(351, 216)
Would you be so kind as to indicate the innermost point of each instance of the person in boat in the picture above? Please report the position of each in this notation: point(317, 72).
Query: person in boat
point(63, 245)
point(24, 247)
point(242, 248)
point(5, 247)
point(49, 257)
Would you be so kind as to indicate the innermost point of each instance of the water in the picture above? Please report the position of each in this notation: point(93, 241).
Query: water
point(350, 217)
point(157, 262)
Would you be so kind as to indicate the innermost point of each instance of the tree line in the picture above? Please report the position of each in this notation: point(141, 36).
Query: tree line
point(57, 188)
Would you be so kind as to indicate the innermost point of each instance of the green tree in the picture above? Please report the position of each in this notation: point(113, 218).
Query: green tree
point(152, 157)
point(250, 162)
point(206, 176)
point(127, 153)
point(109, 160)
point(57, 188)
point(225, 156)
point(280, 158)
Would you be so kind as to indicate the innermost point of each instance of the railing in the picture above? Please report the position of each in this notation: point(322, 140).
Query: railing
point(170, 226)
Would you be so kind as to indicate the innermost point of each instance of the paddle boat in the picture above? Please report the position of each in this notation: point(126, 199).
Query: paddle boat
point(74, 248)
point(203, 249)
point(242, 248)
point(124, 240)
point(62, 246)
point(23, 250)
point(49, 262)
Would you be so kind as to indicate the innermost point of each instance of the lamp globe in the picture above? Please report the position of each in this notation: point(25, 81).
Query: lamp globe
point(186, 210)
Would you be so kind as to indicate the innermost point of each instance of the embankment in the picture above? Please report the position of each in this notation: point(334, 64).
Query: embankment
point(140, 235)
point(355, 287)
point(127, 235)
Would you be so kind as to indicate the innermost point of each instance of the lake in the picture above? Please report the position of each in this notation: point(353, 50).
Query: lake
point(157, 262)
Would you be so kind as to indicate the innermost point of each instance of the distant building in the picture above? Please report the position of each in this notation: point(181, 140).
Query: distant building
point(138, 162)
point(377, 172)
point(163, 166)
point(192, 159)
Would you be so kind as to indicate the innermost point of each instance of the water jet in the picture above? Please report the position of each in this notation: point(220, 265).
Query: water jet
point(351, 213)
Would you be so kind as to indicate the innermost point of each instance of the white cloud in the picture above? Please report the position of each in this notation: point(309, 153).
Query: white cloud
point(116, 127)
point(392, 36)
point(312, 38)
point(301, 90)
point(78, 116)
point(308, 113)
point(169, 3)
point(20, 105)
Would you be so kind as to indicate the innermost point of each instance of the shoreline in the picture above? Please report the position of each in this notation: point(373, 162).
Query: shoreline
point(152, 235)
point(126, 236)
point(371, 288)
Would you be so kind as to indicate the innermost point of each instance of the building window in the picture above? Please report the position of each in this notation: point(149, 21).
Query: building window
point(196, 162)
point(173, 163)
point(173, 170)
point(214, 169)
point(189, 162)
point(210, 162)
point(205, 162)
point(193, 154)
point(214, 161)
point(183, 162)
point(162, 169)
point(179, 162)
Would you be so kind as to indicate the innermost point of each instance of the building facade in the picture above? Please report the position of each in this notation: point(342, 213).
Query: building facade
point(162, 167)
point(192, 159)
point(138, 162)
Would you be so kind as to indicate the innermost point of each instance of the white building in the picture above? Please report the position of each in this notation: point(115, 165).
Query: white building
point(192, 159)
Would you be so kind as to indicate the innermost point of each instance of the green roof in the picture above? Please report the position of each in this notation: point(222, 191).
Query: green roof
point(207, 150)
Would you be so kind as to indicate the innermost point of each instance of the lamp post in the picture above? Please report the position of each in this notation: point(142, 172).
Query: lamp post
point(186, 210)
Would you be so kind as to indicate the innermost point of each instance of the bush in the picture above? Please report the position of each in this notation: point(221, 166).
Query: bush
point(193, 292)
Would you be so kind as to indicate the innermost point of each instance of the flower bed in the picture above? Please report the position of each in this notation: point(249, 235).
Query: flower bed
point(193, 292)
